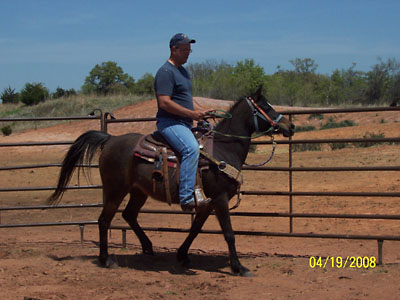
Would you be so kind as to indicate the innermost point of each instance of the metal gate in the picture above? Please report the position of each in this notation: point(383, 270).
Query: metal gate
point(105, 119)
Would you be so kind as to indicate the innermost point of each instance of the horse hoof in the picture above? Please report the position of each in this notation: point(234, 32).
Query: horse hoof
point(243, 272)
point(185, 262)
point(247, 273)
point(148, 252)
point(109, 263)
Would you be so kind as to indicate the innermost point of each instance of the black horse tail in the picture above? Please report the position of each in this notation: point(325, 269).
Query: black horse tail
point(81, 152)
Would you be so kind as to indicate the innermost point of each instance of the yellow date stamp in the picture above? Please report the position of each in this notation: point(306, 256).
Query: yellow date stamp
point(356, 262)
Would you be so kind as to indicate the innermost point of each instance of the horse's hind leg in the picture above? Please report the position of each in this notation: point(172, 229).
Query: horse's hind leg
point(130, 214)
point(111, 204)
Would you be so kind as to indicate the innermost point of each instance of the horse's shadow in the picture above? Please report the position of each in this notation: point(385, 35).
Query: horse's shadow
point(161, 261)
point(167, 261)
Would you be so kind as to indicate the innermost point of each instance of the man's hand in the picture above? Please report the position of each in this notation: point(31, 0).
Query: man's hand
point(198, 115)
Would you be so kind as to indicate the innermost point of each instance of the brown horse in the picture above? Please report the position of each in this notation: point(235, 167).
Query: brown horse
point(122, 173)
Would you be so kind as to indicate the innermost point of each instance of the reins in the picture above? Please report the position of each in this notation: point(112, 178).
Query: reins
point(243, 137)
point(268, 159)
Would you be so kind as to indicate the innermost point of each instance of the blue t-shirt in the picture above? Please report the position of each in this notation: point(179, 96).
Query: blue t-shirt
point(174, 82)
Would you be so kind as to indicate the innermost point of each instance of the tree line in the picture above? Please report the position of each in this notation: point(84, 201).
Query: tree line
point(105, 79)
point(299, 86)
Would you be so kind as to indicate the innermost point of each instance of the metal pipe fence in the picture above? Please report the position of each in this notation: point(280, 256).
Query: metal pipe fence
point(107, 118)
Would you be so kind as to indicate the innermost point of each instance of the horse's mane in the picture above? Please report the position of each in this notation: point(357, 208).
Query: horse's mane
point(231, 110)
point(236, 104)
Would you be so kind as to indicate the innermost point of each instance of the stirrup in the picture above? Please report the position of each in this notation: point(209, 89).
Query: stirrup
point(200, 198)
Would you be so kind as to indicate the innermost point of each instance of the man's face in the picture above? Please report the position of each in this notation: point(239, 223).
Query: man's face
point(181, 53)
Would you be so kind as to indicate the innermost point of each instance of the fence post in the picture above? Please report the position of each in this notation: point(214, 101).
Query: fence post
point(81, 228)
point(380, 252)
point(290, 181)
point(104, 120)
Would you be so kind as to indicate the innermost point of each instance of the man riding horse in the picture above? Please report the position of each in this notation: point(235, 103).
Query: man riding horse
point(124, 173)
point(176, 112)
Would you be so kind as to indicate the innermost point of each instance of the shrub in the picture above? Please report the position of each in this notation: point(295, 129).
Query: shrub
point(34, 93)
point(9, 95)
point(315, 116)
point(60, 92)
point(338, 146)
point(6, 130)
point(305, 128)
point(333, 124)
point(370, 135)
point(307, 147)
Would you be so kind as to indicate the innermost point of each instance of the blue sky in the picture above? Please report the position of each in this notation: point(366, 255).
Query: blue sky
point(58, 42)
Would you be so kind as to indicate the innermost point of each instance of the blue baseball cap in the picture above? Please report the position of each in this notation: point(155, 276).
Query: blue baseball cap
point(180, 39)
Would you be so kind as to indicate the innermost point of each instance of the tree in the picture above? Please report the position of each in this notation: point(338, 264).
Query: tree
point(70, 92)
point(395, 88)
point(107, 78)
point(145, 85)
point(60, 92)
point(213, 79)
point(295, 87)
point(33, 93)
point(224, 81)
point(347, 86)
point(9, 95)
point(381, 81)
point(304, 66)
point(248, 76)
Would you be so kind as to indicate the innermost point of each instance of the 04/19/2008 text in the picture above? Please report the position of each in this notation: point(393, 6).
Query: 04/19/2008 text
point(339, 262)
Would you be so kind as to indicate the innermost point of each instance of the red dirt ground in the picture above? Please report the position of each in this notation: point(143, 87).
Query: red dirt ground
point(52, 263)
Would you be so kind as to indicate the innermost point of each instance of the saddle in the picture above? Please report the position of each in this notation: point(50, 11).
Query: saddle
point(154, 148)
point(151, 146)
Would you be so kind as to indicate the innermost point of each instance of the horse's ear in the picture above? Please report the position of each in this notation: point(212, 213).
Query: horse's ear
point(258, 92)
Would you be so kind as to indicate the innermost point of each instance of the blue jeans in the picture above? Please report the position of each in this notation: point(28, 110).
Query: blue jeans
point(181, 138)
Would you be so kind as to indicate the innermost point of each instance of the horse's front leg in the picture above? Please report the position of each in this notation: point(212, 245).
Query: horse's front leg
point(222, 211)
point(199, 220)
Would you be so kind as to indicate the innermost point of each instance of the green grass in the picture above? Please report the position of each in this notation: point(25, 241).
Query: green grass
point(80, 105)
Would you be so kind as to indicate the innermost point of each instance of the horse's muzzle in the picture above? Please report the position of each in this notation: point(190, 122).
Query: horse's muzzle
point(288, 132)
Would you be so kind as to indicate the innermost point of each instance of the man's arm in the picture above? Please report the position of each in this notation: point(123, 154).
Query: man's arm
point(170, 106)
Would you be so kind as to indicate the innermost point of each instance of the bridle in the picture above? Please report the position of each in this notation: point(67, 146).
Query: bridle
point(258, 112)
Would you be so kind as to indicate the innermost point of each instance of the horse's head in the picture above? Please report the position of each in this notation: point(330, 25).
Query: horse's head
point(265, 116)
